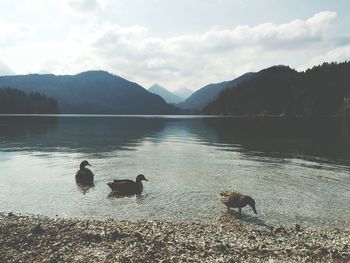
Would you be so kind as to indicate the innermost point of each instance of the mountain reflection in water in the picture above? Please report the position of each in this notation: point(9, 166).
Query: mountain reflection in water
point(296, 169)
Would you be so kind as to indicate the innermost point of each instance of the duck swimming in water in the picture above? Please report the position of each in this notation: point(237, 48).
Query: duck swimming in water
point(236, 199)
point(128, 187)
point(84, 176)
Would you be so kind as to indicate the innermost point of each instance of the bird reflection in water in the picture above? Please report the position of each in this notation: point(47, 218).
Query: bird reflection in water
point(140, 198)
point(84, 188)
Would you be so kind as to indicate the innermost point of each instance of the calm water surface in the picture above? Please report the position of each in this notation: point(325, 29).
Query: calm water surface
point(294, 177)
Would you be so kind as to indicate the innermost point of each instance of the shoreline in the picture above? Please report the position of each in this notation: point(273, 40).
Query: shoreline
point(36, 238)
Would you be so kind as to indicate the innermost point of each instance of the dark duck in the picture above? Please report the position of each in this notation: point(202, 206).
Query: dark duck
point(234, 199)
point(128, 187)
point(84, 176)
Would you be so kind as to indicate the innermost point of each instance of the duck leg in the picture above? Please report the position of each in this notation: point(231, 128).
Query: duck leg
point(240, 211)
point(228, 209)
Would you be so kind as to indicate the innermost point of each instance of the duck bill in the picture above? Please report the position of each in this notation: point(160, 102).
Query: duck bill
point(145, 179)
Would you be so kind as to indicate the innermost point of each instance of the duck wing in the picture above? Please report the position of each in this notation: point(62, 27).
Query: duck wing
point(122, 181)
point(84, 176)
point(126, 187)
point(231, 198)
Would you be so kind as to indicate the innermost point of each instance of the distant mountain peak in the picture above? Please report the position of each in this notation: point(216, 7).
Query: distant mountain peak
point(156, 85)
point(95, 72)
point(183, 93)
point(5, 70)
point(167, 95)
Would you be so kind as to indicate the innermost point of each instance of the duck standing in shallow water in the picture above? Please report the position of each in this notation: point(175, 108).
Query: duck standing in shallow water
point(84, 176)
point(235, 199)
point(128, 187)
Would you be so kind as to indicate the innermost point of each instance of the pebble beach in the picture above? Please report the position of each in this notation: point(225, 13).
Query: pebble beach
point(35, 238)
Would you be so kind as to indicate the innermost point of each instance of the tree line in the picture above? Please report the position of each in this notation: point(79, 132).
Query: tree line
point(14, 101)
point(280, 90)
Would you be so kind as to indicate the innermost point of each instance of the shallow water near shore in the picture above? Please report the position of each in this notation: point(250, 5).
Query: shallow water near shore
point(294, 176)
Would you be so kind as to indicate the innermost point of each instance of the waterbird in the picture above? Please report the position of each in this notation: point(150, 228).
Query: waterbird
point(84, 176)
point(236, 199)
point(128, 187)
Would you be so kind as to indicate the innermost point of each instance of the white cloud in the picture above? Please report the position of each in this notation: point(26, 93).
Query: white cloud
point(72, 7)
point(86, 6)
point(191, 60)
point(195, 59)
point(13, 33)
point(5, 70)
point(339, 54)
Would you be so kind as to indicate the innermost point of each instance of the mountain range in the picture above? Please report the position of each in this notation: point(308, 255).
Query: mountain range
point(209, 93)
point(278, 90)
point(92, 92)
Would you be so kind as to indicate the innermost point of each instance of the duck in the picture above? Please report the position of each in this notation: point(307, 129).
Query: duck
point(84, 175)
point(128, 187)
point(235, 199)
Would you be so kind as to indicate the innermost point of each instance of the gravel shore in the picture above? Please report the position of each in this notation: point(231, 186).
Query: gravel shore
point(42, 239)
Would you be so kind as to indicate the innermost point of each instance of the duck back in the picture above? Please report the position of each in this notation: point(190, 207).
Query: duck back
point(232, 199)
point(84, 176)
point(126, 187)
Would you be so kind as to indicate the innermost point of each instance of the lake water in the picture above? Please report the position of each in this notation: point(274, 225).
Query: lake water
point(294, 176)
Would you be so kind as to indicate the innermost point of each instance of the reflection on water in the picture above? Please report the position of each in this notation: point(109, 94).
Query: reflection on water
point(97, 135)
point(84, 188)
point(296, 170)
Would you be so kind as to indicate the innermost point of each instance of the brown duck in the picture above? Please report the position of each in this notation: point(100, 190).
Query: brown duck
point(84, 176)
point(236, 199)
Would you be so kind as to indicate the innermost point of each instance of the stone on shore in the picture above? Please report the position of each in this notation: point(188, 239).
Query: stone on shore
point(42, 239)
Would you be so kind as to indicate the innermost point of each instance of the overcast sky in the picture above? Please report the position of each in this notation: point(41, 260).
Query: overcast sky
point(178, 44)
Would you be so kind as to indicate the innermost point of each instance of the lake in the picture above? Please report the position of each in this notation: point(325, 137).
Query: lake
point(296, 175)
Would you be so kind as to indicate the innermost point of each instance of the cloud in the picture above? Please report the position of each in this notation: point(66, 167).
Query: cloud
point(191, 60)
point(13, 33)
point(338, 54)
point(84, 6)
point(5, 70)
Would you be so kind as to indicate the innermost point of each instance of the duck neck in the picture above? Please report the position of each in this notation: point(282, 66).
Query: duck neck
point(82, 167)
point(138, 181)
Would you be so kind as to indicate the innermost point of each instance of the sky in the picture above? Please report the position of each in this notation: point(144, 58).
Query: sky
point(177, 44)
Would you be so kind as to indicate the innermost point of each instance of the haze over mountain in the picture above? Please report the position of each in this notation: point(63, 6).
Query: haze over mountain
point(280, 90)
point(209, 93)
point(167, 95)
point(183, 93)
point(5, 70)
point(92, 92)
point(44, 72)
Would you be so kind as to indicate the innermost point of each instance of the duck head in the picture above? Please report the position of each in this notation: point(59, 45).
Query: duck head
point(140, 178)
point(250, 201)
point(83, 164)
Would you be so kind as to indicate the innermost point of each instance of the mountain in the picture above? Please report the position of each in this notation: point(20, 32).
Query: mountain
point(167, 95)
point(209, 93)
point(280, 90)
point(183, 93)
point(92, 92)
point(16, 101)
point(5, 70)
